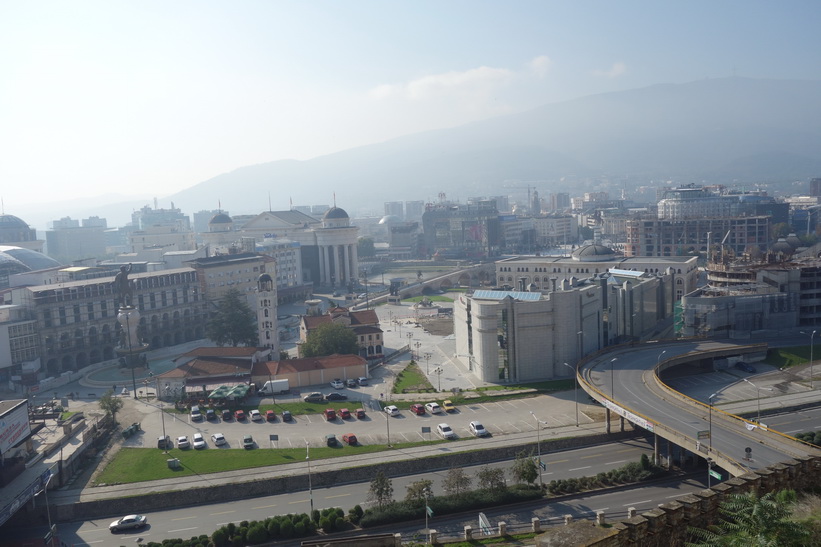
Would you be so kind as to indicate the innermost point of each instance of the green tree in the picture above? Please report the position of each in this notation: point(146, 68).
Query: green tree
point(747, 519)
point(110, 404)
point(233, 322)
point(456, 482)
point(491, 478)
point(364, 247)
point(381, 490)
point(328, 339)
point(283, 355)
point(524, 469)
point(418, 489)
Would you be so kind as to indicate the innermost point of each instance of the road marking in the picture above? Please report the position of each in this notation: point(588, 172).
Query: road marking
point(559, 461)
point(336, 496)
point(673, 496)
point(794, 431)
point(223, 513)
point(265, 506)
point(185, 518)
point(181, 530)
point(90, 542)
point(637, 502)
point(298, 501)
point(613, 463)
point(580, 468)
point(625, 450)
point(591, 456)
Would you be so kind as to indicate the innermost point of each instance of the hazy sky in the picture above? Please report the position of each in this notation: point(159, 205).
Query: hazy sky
point(150, 97)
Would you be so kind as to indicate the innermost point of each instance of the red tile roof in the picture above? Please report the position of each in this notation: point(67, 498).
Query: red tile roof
point(272, 368)
point(216, 351)
point(199, 368)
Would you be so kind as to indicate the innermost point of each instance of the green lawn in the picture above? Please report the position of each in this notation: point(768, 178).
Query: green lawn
point(411, 380)
point(789, 357)
point(132, 465)
point(432, 298)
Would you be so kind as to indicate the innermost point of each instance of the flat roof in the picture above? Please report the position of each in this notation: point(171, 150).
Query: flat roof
point(501, 295)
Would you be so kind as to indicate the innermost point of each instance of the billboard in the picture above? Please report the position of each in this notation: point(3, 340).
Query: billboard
point(14, 427)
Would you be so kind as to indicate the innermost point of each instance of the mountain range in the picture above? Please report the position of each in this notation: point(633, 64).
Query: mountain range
point(729, 130)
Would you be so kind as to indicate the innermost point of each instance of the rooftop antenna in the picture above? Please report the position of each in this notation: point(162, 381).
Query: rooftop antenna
point(334, 199)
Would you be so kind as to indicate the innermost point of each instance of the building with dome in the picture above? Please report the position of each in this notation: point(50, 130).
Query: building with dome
point(15, 260)
point(16, 232)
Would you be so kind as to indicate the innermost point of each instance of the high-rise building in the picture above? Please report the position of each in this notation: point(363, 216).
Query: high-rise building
point(815, 187)
point(414, 210)
point(394, 208)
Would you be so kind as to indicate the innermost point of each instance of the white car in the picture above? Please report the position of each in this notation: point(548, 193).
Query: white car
point(199, 442)
point(337, 383)
point(477, 429)
point(182, 442)
point(433, 408)
point(128, 522)
point(255, 415)
point(445, 431)
point(391, 410)
point(218, 438)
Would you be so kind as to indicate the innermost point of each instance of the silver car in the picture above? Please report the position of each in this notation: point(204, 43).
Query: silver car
point(128, 522)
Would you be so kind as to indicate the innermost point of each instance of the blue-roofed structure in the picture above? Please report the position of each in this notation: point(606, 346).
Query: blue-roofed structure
point(500, 295)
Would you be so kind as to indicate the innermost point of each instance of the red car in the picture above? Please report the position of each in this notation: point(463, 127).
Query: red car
point(349, 438)
point(345, 414)
point(360, 413)
point(419, 410)
point(330, 414)
point(239, 414)
point(270, 415)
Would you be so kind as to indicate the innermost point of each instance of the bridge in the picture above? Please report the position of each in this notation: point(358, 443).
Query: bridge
point(625, 379)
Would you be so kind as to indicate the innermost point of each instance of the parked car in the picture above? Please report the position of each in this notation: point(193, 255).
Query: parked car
point(248, 442)
point(745, 367)
point(196, 415)
point(362, 381)
point(433, 408)
point(447, 406)
point(345, 414)
point(349, 438)
point(165, 442)
point(330, 440)
point(270, 415)
point(391, 410)
point(336, 383)
point(330, 414)
point(218, 438)
point(286, 416)
point(226, 414)
point(128, 522)
point(211, 414)
point(255, 415)
point(315, 397)
point(445, 431)
point(182, 442)
point(336, 397)
point(477, 429)
point(239, 415)
point(417, 409)
point(350, 382)
point(360, 413)
point(199, 442)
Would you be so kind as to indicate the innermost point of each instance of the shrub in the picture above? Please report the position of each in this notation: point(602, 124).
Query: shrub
point(339, 524)
point(257, 534)
point(325, 524)
point(299, 529)
point(273, 529)
point(237, 541)
point(286, 529)
point(315, 515)
point(220, 537)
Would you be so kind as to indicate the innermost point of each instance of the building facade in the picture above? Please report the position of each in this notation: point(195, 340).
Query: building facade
point(669, 238)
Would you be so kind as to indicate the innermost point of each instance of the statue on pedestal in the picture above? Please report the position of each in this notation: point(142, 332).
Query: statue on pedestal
point(123, 289)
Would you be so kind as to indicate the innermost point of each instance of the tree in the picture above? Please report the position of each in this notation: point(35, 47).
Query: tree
point(283, 355)
point(110, 404)
point(491, 478)
point(330, 338)
point(381, 490)
point(456, 482)
point(233, 322)
point(417, 490)
point(748, 519)
point(364, 247)
point(524, 469)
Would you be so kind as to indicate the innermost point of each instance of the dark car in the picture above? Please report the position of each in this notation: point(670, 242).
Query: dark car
point(226, 414)
point(286, 416)
point(315, 397)
point(336, 397)
point(419, 410)
point(210, 414)
point(745, 367)
point(330, 440)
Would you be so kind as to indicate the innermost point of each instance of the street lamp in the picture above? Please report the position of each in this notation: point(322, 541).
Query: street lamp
point(613, 378)
point(438, 372)
point(812, 346)
point(710, 399)
point(427, 362)
point(538, 445)
point(388, 426)
point(410, 343)
point(417, 345)
point(310, 485)
point(757, 398)
point(659, 359)
point(575, 391)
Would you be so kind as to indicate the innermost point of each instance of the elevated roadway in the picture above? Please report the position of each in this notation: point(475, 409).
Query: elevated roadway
point(625, 380)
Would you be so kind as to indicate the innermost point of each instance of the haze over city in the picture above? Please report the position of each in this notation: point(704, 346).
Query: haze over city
point(148, 99)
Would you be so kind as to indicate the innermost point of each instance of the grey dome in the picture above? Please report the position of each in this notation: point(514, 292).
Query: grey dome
point(593, 253)
point(11, 221)
point(781, 246)
point(25, 260)
point(335, 213)
point(220, 218)
point(263, 278)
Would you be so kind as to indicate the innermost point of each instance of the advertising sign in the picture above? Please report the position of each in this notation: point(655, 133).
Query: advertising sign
point(14, 427)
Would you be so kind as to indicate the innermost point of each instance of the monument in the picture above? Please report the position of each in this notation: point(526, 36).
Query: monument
point(130, 345)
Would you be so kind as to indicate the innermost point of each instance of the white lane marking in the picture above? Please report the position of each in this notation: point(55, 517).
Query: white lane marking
point(181, 530)
point(613, 463)
point(637, 502)
point(579, 468)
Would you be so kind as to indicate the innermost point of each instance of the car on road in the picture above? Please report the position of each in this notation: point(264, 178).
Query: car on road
point(270, 415)
point(211, 415)
point(361, 295)
point(745, 367)
point(360, 413)
point(286, 416)
point(336, 397)
point(477, 429)
point(350, 439)
point(330, 414)
point(362, 381)
point(182, 442)
point(350, 382)
point(199, 442)
point(255, 415)
point(433, 408)
point(391, 410)
point(344, 413)
point(336, 383)
point(226, 414)
point(128, 522)
point(447, 406)
point(239, 415)
point(218, 438)
point(445, 431)
point(417, 409)
point(248, 442)
point(315, 397)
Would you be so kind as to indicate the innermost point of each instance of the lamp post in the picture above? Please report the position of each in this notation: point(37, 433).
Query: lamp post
point(659, 358)
point(427, 493)
point(812, 346)
point(613, 379)
point(410, 343)
point(130, 355)
point(580, 334)
point(427, 362)
point(438, 372)
point(48, 510)
point(538, 445)
point(417, 345)
point(710, 399)
point(310, 485)
point(757, 398)
point(575, 391)
point(388, 426)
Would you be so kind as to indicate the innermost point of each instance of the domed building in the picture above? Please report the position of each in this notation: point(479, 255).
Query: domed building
point(593, 253)
point(14, 260)
point(16, 232)
point(220, 223)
